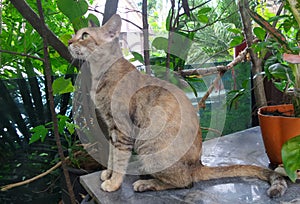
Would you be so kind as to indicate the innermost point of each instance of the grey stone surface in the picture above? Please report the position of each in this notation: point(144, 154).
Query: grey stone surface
point(245, 147)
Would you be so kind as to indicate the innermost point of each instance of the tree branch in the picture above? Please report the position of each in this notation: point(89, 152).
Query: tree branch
point(21, 54)
point(111, 7)
point(213, 70)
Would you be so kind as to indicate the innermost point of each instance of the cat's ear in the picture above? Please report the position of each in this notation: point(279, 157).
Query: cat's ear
point(113, 26)
point(92, 24)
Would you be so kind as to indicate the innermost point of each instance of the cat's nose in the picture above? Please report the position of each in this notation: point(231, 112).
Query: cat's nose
point(70, 42)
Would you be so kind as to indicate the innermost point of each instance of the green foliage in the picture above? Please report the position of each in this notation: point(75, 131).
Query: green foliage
point(39, 133)
point(160, 43)
point(62, 86)
point(73, 9)
point(282, 39)
point(290, 156)
point(260, 33)
point(137, 56)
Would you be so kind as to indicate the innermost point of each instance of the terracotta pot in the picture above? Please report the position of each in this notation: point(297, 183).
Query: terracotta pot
point(276, 130)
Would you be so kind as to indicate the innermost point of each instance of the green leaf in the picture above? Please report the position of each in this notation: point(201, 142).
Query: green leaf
point(236, 40)
point(235, 31)
point(39, 133)
point(62, 85)
point(73, 9)
point(62, 120)
point(290, 153)
point(280, 38)
point(71, 127)
point(168, 20)
point(138, 56)
point(202, 18)
point(160, 43)
point(260, 33)
point(80, 22)
point(204, 10)
point(65, 38)
point(280, 71)
point(92, 17)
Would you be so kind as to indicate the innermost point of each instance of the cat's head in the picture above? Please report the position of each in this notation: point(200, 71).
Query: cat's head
point(88, 40)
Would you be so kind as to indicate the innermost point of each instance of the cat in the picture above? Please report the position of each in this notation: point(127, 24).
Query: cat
point(151, 118)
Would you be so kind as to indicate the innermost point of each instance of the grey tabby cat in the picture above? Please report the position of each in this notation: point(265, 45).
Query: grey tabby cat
point(150, 117)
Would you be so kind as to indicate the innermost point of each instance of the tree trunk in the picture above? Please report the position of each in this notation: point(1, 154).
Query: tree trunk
point(111, 7)
point(146, 37)
point(259, 91)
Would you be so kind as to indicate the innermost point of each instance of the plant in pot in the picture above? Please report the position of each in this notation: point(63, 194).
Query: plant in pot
point(280, 124)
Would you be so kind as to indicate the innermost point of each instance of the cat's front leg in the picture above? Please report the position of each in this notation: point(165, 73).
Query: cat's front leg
point(121, 154)
point(106, 174)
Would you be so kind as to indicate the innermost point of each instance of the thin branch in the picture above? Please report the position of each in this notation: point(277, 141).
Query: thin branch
point(216, 69)
point(196, 7)
point(212, 70)
point(10, 186)
point(139, 27)
point(208, 24)
point(128, 21)
point(201, 103)
point(48, 72)
point(212, 130)
point(21, 54)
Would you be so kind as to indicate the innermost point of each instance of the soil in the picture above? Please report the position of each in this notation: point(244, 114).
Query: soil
point(278, 113)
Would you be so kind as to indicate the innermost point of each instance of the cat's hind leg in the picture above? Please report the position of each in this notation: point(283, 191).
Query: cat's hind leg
point(170, 178)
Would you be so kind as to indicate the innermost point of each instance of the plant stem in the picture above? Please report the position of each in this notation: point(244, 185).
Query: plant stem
point(48, 72)
point(294, 5)
point(296, 101)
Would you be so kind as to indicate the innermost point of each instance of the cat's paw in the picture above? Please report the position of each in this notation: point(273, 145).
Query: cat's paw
point(109, 186)
point(105, 175)
point(143, 185)
point(277, 189)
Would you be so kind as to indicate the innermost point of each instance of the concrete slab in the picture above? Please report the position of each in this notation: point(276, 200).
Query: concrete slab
point(245, 147)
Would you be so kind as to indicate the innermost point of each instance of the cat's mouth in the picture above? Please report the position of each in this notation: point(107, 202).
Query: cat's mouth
point(76, 52)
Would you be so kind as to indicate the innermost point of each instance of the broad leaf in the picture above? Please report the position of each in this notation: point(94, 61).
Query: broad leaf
point(62, 85)
point(73, 9)
point(290, 153)
point(160, 43)
point(93, 18)
point(279, 71)
point(260, 33)
point(236, 40)
point(202, 18)
point(204, 10)
point(137, 56)
point(39, 133)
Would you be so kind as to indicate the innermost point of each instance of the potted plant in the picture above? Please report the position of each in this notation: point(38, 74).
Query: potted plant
point(280, 124)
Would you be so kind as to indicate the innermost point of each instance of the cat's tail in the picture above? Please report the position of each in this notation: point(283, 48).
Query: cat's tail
point(277, 182)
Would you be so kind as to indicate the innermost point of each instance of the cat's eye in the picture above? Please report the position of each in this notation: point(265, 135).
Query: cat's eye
point(84, 36)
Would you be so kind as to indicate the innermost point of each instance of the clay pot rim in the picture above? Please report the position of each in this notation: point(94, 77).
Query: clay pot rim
point(273, 108)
